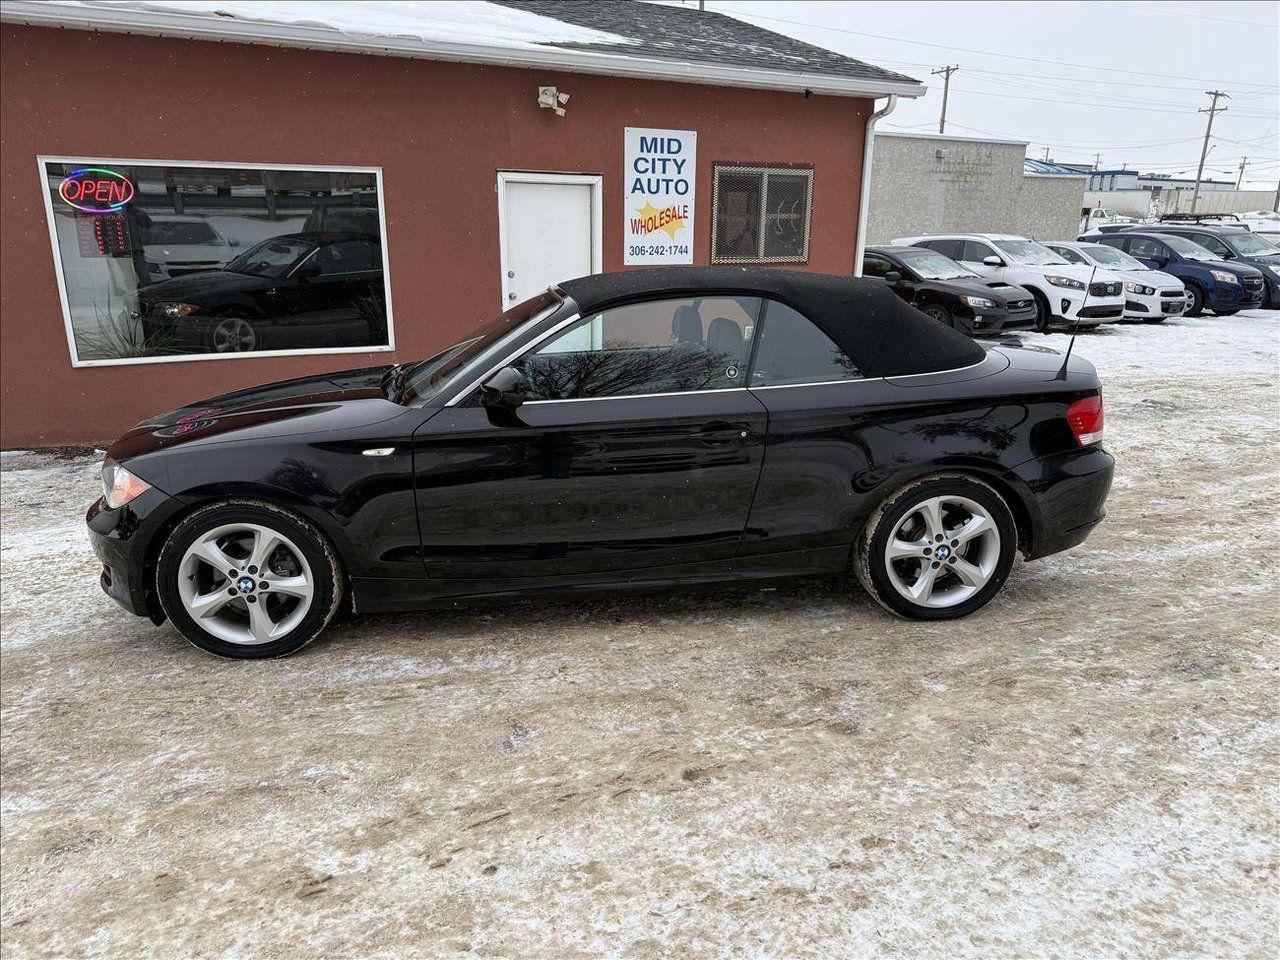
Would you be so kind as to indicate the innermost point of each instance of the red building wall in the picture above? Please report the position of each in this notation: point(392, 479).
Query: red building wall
point(439, 131)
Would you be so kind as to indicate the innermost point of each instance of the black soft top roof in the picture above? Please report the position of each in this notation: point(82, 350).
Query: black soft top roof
point(881, 333)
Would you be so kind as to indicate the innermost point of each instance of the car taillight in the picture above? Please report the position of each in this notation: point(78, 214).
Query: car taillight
point(1085, 417)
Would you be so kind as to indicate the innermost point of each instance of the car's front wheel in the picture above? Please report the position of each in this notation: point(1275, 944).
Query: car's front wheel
point(1195, 301)
point(938, 549)
point(247, 580)
point(1044, 315)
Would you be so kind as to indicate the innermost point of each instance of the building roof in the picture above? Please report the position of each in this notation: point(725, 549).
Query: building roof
point(882, 334)
point(617, 37)
point(1049, 168)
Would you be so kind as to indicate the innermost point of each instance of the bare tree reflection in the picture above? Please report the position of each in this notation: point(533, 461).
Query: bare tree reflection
point(628, 368)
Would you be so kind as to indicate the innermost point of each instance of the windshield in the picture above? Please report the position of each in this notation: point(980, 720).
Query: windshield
point(272, 258)
point(1029, 252)
point(1192, 251)
point(425, 379)
point(934, 266)
point(1250, 245)
point(179, 231)
point(1106, 256)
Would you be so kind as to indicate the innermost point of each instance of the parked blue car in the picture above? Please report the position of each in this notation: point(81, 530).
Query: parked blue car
point(1213, 284)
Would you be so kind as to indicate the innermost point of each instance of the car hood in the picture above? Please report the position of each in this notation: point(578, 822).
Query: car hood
point(1149, 278)
point(1075, 271)
point(327, 401)
point(998, 290)
point(197, 286)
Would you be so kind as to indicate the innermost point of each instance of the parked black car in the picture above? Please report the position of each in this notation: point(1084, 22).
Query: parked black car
point(950, 292)
point(1234, 243)
point(636, 429)
point(297, 290)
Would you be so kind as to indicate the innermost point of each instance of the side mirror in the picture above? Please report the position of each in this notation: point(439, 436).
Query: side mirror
point(1160, 260)
point(993, 261)
point(505, 390)
point(893, 276)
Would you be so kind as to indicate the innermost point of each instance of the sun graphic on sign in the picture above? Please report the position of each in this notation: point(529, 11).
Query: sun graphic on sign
point(670, 227)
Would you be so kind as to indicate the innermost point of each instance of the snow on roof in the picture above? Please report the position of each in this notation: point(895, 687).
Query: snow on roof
point(426, 20)
point(615, 37)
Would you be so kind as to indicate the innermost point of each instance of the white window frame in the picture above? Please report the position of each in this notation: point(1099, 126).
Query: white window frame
point(593, 180)
point(765, 170)
point(43, 159)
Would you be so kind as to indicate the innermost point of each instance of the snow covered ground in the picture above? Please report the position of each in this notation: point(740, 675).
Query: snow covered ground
point(1088, 767)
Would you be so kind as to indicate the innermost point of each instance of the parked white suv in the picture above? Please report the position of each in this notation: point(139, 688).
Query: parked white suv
point(1149, 295)
point(1065, 293)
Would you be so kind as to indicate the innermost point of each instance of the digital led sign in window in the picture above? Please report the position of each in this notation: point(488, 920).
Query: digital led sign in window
point(175, 260)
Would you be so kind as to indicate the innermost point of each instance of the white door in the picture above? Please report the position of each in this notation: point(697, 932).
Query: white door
point(549, 230)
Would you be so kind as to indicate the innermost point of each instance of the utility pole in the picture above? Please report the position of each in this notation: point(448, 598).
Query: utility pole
point(1097, 161)
point(1212, 110)
point(1240, 179)
point(1046, 154)
point(945, 73)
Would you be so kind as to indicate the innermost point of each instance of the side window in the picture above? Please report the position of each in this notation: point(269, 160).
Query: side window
point(661, 346)
point(974, 252)
point(351, 256)
point(948, 248)
point(873, 266)
point(792, 350)
point(1069, 255)
point(1212, 244)
point(1142, 247)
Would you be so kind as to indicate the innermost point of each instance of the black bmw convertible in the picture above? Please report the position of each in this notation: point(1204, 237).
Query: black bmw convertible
point(635, 429)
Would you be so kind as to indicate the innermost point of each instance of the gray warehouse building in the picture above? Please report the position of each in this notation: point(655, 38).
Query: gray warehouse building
point(929, 183)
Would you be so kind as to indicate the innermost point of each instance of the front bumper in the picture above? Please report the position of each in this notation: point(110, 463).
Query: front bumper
point(121, 540)
point(1002, 319)
point(1071, 307)
point(1156, 306)
point(1069, 494)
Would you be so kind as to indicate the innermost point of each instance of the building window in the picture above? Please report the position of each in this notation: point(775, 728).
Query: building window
point(180, 261)
point(761, 214)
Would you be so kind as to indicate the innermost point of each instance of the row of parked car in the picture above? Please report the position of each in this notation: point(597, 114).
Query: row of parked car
point(988, 283)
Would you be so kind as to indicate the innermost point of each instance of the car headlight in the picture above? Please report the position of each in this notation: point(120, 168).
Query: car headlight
point(1140, 289)
point(1066, 282)
point(1223, 277)
point(978, 301)
point(119, 486)
point(175, 310)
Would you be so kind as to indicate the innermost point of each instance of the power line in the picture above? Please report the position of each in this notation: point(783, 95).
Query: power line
point(1137, 8)
point(986, 53)
point(1093, 103)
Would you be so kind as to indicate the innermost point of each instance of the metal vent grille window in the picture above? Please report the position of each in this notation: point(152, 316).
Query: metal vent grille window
point(761, 214)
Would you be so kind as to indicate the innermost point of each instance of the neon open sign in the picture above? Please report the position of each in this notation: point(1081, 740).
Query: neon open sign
point(96, 189)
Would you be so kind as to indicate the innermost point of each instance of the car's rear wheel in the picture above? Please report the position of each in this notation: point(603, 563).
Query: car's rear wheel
point(1195, 297)
point(233, 334)
point(939, 549)
point(248, 580)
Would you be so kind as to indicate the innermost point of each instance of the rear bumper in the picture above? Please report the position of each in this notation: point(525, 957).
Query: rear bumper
point(1069, 493)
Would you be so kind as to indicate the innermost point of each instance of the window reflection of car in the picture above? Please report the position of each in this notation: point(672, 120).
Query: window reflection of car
point(296, 291)
point(176, 246)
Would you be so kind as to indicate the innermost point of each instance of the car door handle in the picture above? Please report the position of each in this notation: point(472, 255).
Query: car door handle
point(720, 432)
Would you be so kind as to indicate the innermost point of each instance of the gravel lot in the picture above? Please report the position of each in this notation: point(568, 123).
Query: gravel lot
point(1087, 767)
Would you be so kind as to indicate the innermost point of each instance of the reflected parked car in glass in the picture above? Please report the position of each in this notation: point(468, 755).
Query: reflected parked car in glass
point(296, 291)
point(175, 246)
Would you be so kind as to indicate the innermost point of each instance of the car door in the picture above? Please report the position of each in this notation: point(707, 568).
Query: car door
point(974, 252)
point(638, 446)
point(878, 267)
point(337, 296)
point(814, 481)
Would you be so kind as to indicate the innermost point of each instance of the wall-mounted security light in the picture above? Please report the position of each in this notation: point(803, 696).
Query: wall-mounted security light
point(549, 98)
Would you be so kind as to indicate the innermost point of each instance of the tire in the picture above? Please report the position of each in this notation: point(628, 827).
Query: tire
point(936, 311)
point(987, 555)
point(1155, 319)
point(241, 620)
point(1226, 313)
point(1196, 307)
point(234, 333)
point(1044, 315)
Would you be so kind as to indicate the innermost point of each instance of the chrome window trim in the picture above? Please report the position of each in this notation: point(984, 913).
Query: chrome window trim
point(937, 373)
point(490, 371)
point(815, 383)
point(638, 396)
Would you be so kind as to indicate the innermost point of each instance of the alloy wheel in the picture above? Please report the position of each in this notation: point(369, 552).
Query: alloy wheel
point(234, 335)
point(943, 551)
point(245, 583)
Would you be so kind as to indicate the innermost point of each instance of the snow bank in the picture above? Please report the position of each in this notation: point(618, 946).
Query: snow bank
point(475, 22)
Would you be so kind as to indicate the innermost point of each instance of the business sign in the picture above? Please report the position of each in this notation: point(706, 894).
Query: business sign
point(659, 176)
point(96, 190)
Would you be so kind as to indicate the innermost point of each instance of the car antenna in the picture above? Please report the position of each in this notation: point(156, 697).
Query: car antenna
point(1075, 327)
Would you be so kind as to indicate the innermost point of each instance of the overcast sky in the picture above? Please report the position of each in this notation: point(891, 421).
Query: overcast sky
point(1124, 79)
